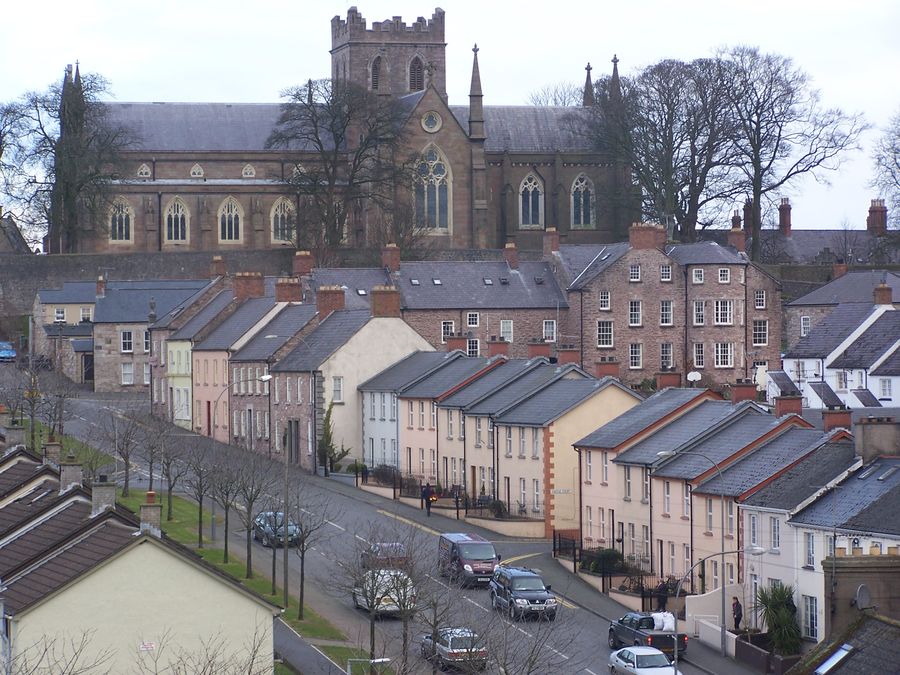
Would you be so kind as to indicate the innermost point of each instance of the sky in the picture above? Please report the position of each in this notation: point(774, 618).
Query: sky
point(240, 51)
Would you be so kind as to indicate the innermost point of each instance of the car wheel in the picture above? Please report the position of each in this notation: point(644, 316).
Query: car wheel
point(512, 612)
point(612, 641)
point(265, 541)
point(612, 670)
point(440, 664)
point(495, 604)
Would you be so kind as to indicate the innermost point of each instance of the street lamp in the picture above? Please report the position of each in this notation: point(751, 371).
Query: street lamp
point(663, 454)
point(371, 662)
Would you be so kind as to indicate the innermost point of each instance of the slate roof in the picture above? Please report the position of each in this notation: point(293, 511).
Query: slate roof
point(890, 366)
point(10, 231)
point(872, 344)
point(876, 648)
point(520, 128)
point(805, 478)
point(132, 304)
point(273, 336)
point(166, 319)
point(445, 379)
point(823, 247)
point(866, 398)
point(71, 292)
point(831, 331)
point(585, 262)
point(826, 393)
point(69, 330)
point(552, 401)
point(235, 326)
point(84, 345)
point(322, 342)
point(704, 253)
point(44, 532)
point(519, 388)
point(406, 371)
point(212, 310)
point(851, 287)
point(490, 382)
point(857, 493)
point(783, 381)
point(639, 417)
point(353, 279)
point(462, 286)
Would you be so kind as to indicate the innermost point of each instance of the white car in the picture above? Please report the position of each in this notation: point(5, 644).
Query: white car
point(639, 660)
point(385, 592)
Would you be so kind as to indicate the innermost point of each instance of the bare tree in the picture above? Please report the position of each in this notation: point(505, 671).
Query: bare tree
point(123, 433)
point(783, 131)
point(887, 166)
point(65, 655)
point(213, 656)
point(256, 478)
point(225, 488)
point(156, 436)
point(558, 95)
point(173, 466)
point(311, 510)
point(200, 459)
point(57, 390)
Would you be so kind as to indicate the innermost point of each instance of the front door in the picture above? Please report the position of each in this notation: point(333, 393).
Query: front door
point(87, 367)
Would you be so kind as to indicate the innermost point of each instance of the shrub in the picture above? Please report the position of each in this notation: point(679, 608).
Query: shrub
point(780, 614)
point(498, 509)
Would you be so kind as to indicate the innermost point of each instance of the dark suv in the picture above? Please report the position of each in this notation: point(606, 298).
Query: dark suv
point(521, 592)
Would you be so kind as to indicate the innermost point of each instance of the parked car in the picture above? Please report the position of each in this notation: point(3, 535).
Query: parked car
point(467, 558)
point(639, 628)
point(640, 661)
point(268, 527)
point(7, 352)
point(384, 555)
point(385, 591)
point(521, 592)
point(454, 648)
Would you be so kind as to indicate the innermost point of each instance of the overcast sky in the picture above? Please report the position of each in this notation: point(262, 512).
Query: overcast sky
point(235, 50)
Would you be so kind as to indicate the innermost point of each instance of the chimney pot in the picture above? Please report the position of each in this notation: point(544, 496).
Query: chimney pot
point(737, 238)
point(511, 254)
point(876, 222)
point(101, 286)
point(287, 289)
point(390, 258)
point(303, 263)
point(386, 301)
point(329, 299)
point(249, 285)
point(643, 236)
point(151, 513)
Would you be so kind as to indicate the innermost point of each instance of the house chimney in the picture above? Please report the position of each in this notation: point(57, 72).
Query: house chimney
point(386, 301)
point(151, 513)
point(606, 366)
point(390, 258)
point(646, 236)
point(249, 285)
point(883, 294)
point(497, 346)
point(736, 220)
point(876, 223)
point(836, 417)
point(838, 270)
point(874, 436)
point(217, 268)
point(70, 473)
point(287, 289)
point(568, 354)
point(101, 286)
point(511, 255)
point(457, 341)
point(743, 390)
point(329, 299)
point(784, 217)
point(551, 241)
point(303, 263)
point(668, 378)
point(103, 495)
point(52, 452)
point(737, 238)
point(538, 348)
point(786, 405)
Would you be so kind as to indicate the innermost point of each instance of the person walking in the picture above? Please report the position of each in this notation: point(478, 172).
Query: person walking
point(427, 493)
point(662, 596)
point(738, 612)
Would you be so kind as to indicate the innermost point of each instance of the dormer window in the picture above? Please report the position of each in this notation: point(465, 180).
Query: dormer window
point(144, 171)
point(248, 171)
point(196, 171)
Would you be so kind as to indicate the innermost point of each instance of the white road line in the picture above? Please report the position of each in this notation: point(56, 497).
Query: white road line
point(589, 671)
point(342, 529)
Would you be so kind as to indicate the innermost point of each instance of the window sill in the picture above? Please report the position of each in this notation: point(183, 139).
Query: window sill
point(774, 551)
point(809, 567)
point(707, 534)
point(729, 536)
point(587, 482)
point(508, 454)
point(626, 499)
point(666, 515)
point(685, 517)
point(644, 500)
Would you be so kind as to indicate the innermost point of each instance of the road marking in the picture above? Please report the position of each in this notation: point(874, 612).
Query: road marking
point(407, 521)
point(363, 540)
point(342, 529)
point(589, 671)
point(517, 558)
point(564, 602)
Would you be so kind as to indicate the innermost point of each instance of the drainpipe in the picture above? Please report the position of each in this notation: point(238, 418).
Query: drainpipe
point(159, 222)
point(580, 502)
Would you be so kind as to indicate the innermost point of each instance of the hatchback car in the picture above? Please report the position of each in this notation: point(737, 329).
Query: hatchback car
point(7, 352)
point(454, 647)
point(385, 592)
point(268, 527)
point(639, 660)
point(520, 592)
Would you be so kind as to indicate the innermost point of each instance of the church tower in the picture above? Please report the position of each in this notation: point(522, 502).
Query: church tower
point(390, 57)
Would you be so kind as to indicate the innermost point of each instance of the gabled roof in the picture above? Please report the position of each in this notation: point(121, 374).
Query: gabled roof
point(353, 280)
point(831, 331)
point(872, 344)
point(851, 287)
point(521, 128)
point(826, 393)
point(866, 398)
point(443, 380)
point(84, 345)
point(132, 304)
point(704, 253)
point(506, 395)
point(874, 648)
point(783, 381)
point(583, 263)
point(78, 292)
point(478, 285)
point(554, 400)
point(638, 418)
point(235, 326)
point(488, 383)
point(69, 330)
point(408, 370)
point(806, 477)
point(166, 319)
point(10, 232)
point(202, 318)
point(276, 333)
point(890, 366)
point(321, 343)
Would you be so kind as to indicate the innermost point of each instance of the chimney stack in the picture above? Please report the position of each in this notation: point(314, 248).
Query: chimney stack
point(668, 378)
point(736, 220)
point(103, 495)
point(457, 341)
point(151, 513)
point(511, 255)
point(737, 238)
point(837, 417)
point(70, 473)
point(784, 217)
point(607, 366)
point(883, 294)
point(329, 299)
point(787, 405)
point(52, 452)
point(876, 223)
point(551, 241)
point(390, 258)
point(743, 390)
point(287, 289)
point(497, 346)
point(538, 348)
point(876, 436)
point(568, 354)
point(386, 301)
point(217, 268)
point(838, 270)
point(303, 263)
point(646, 236)
point(101, 286)
point(249, 285)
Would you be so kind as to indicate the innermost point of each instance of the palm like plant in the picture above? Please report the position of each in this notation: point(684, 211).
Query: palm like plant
point(780, 615)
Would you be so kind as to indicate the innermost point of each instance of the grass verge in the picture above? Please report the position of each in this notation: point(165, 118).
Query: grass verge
point(84, 454)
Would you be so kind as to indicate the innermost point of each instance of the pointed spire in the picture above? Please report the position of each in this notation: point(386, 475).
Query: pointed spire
point(588, 88)
point(77, 74)
point(475, 89)
point(476, 106)
point(615, 86)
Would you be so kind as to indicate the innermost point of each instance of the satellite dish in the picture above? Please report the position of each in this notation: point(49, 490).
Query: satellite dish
point(863, 599)
point(693, 376)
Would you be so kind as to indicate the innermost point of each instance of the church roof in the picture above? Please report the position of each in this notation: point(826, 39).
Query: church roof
point(527, 128)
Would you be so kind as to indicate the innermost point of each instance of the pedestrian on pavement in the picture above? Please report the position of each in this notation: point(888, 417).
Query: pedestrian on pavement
point(738, 611)
point(427, 493)
point(365, 474)
point(662, 596)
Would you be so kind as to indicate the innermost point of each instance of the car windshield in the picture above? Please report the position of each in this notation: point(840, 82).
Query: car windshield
point(276, 520)
point(389, 550)
point(528, 584)
point(652, 661)
point(462, 642)
point(483, 551)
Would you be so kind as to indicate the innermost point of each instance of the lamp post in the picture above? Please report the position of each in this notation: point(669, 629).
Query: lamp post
point(671, 453)
point(371, 662)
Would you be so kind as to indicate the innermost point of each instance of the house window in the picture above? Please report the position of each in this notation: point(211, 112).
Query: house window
point(230, 216)
point(697, 275)
point(686, 552)
point(509, 443)
point(472, 319)
point(473, 347)
point(146, 373)
point(686, 499)
point(602, 514)
point(409, 415)
point(635, 355)
point(667, 497)
point(337, 389)
point(589, 518)
point(665, 312)
point(699, 312)
point(127, 373)
point(759, 299)
point(282, 217)
point(729, 516)
point(604, 467)
point(709, 514)
point(840, 380)
point(146, 341)
point(753, 526)
point(724, 312)
point(177, 221)
point(447, 329)
point(383, 405)
point(449, 424)
point(120, 219)
point(645, 485)
point(372, 405)
point(671, 557)
point(416, 74)
point(805, 323)
point(775, 533)
point(809, 540)
point(127, 341)
point(549, 330)
point(634, 312)
point(604, 333)
point(86, 316)
point(490, 433)
point(715, 574)
point(196, 171)
point(506, 330)
point(433, 190)
point(535, 443)
point(523, 491)
point(665, 272)
point(627, 482)
point(665, 356)
point(59, 315)
point(248, 171)
point(603, 302)
point(143, 171)
point(634, 273)
point(884, 388)
point(393, 407)
point(760, 332)
point(724, 275)
point(810, 617)
point(631, 539)
point(531, 202)
point(433, 415)
point(645, 540)
point(724, 355)
point(536, 485)
point(582, 202)
point(588, 466)
point(477, 432)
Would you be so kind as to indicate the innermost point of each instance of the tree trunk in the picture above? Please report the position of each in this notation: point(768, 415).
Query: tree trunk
point(199, 522)
point(225, 557)
point(249, 572)
point(169, 489)
point(371, 641)
point(274, 561)
point(302, 582)
point(127, 481)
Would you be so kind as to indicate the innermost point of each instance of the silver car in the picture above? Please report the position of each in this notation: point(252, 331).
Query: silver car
point(385, 592)
point(639, 660)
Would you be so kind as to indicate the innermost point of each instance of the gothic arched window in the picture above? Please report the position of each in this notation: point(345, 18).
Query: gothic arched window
point(531, 203)
point(416, 74)
point(196, 171)
point(177, 220)
point(582, 202)
point(283, 221)
point(376, 73)
point(433, 190)
point(248, 171)
point(144, 171)
point(230, 215)
point(121, 217)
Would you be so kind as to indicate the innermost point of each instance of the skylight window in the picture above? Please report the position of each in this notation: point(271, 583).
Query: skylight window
point(488, 282)
point(437, 282)
point(504, 280)
point(361, 291)
point(414, 282)
point(539, 280)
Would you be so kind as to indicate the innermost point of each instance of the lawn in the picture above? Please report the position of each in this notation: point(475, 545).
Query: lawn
point(84, 454)
point(340, 655)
